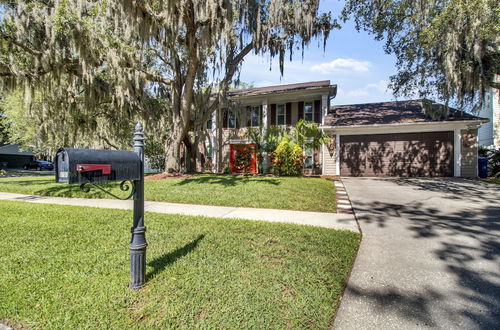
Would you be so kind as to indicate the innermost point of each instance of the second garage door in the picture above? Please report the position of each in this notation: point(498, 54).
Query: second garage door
point(406, 154)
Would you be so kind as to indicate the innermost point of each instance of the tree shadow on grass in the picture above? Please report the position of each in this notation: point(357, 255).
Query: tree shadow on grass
point(28, 182)
point(228, 181)
point(159, 264)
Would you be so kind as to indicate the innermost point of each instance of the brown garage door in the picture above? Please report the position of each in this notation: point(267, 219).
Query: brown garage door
point(408, 154)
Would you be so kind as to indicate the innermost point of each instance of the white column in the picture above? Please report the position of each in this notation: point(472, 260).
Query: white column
point(323, 152)
point(264, 115)
point(337, 154)
point(265, 157)
point(457, 152)
point(215, 147)
point(324, 107)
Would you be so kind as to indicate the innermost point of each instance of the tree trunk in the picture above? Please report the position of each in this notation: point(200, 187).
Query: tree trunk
point(172, 150)
point(190, 154)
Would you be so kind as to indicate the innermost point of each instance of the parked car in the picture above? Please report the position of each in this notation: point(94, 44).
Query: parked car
point(39, 165)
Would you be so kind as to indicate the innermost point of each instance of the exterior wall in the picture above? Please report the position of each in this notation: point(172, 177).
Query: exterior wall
point(329, 159)
point(496, 116)
point(486, 130)
point(15, 161)
point(226, 136)
point(489, 133)
point(469, 146)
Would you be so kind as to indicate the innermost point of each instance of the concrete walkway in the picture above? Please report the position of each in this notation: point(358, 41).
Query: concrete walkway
point(429, 258)
point(320, 219)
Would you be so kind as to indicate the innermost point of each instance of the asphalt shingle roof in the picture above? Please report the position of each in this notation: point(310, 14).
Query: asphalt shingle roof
point(412, 111)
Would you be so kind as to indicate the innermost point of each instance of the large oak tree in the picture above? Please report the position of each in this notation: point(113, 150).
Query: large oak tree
point(157, 61)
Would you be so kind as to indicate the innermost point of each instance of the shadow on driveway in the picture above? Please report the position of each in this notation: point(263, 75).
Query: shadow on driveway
point(455, 226)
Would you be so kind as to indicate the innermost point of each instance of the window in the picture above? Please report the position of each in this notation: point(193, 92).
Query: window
point(209, 123)
point(254, 116)
point(231, 120)
point(281, 114)
point(308, 111)
point(308, 162)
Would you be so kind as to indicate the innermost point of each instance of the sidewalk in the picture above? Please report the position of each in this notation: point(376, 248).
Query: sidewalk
point(320, 219)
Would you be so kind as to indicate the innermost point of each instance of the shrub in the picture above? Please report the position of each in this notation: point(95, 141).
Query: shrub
point(493, 156)
point(288, 158)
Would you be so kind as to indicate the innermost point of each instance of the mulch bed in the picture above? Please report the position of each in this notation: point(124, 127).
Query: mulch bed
point(167, 176)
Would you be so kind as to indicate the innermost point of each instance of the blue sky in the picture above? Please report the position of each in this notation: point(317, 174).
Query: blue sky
point(352, 60)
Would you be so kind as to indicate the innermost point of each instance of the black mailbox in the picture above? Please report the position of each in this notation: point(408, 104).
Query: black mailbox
point(90, 165)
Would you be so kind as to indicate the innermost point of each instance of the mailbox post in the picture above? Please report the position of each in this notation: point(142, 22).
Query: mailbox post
point(88, 167)
point(138, 242)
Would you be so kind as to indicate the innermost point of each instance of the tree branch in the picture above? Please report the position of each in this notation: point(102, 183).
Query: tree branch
point(20, 45)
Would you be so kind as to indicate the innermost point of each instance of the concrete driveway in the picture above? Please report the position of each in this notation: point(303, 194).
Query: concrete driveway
point(429, 258)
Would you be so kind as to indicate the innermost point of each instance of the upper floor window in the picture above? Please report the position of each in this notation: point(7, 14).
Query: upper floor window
point(209, 123)
point(254, 116)
point(280, 115)
point(228, 119)
point(308, 111)
point(231, 120)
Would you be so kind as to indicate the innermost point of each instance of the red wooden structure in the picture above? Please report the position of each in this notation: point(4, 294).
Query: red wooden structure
point(243, 158)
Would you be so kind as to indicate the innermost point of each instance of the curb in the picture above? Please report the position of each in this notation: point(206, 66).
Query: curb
point(343, 202)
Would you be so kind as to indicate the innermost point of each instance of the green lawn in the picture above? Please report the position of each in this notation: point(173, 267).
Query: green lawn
point(67, 267)
point(293, 193)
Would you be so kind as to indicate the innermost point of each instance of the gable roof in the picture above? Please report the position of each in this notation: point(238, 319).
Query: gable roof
point(280, 88)
point(397, 112)
point(14, 149)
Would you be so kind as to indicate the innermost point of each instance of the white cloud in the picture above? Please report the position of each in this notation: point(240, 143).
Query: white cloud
point(378, 87)
point(381, 86)
point(371, 92)
point(358, 93)
point(342, 64)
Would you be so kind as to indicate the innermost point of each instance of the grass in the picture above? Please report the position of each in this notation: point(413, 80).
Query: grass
point(67, 267)
point(292, 193)
point(493, 180)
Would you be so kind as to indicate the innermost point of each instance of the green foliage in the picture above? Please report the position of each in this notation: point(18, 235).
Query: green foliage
point(267, 140)
point(43, 129)
point(448, 49)
point(4, 127)
point(493, 156)
point(227, 170)
point(155, 152)
point(288, 159)
point(308, 135)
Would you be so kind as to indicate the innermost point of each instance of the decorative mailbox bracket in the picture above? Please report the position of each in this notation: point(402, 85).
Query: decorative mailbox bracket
point(123, 187)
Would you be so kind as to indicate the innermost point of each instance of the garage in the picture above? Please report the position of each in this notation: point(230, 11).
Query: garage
point(401, 154)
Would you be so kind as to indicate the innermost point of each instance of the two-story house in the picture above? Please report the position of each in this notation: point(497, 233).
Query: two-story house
point(404, 138)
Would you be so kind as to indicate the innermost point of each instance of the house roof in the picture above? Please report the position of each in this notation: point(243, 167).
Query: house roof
point(13, 149)
point(281, 88)
point(397, 112)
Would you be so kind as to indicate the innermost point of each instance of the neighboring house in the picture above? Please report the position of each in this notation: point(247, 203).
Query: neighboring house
point(489, 133)
point(405, 138)
point(12, 157)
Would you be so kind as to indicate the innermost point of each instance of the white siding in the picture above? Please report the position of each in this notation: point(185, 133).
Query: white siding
point(329, 167)
point(468, 154)
point(489, 133)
